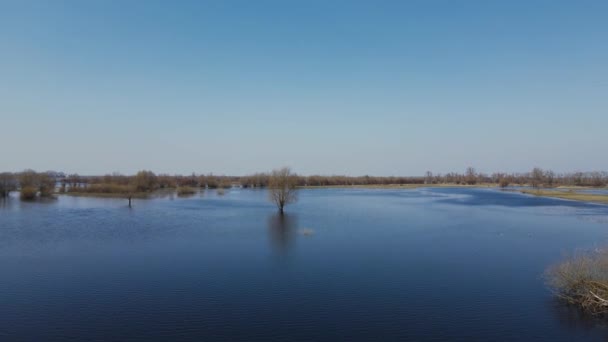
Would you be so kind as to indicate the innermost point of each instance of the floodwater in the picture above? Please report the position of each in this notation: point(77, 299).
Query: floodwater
point(342, 264)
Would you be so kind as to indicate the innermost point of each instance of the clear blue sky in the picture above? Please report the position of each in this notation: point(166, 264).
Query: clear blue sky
point(330, 87)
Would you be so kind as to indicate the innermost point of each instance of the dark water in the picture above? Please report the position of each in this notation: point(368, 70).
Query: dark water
point(426, 264)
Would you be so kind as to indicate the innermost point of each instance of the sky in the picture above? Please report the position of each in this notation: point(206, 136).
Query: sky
point(325, 87)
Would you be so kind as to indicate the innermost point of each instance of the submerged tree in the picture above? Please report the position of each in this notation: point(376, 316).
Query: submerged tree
point(28, 183)
point(46, 184)
point(282, 185)
point(8, 183)
point(129, 194)
point(32, 183)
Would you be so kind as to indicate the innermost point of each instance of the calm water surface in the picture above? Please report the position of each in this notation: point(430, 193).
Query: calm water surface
point(424, 264)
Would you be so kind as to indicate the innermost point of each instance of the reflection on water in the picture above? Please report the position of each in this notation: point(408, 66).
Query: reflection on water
point(282, 231)
point(572, 317)
point(3, 203)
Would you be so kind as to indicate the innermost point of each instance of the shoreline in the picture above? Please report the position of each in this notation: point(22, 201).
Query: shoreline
point(566, 193)
point(398, 186)
point(569, 195)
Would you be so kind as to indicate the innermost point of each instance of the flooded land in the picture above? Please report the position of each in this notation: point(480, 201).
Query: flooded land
point(341, 264)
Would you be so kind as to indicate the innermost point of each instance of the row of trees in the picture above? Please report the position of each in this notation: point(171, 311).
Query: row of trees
point(143, 181)
point(33, 184)
point(535, 178)
point(8, 183)
point(282, 184)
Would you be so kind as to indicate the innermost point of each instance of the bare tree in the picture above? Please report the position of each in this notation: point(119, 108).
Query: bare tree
point(471, 176)
point(549, 177)
point(8, 183)
point(145, 181)
point(537, 177)
point(596, 179)
point(282, 187)
point(428, 177)
point(504, 181)
point(46, 184)
point(28, 184)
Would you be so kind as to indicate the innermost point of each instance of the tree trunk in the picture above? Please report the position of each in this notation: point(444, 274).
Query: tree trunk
point(129, 201)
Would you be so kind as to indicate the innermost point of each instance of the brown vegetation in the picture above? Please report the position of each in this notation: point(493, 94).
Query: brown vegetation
point(569, 195)
point(504, 182)
point(8, 183)
point(282, 187)
point(185, 191)
point(582, 280)
point(28, 193)
point(537, 178)
point(257, 180)
point(145, 182)
point(33, 183)
point(471, 176)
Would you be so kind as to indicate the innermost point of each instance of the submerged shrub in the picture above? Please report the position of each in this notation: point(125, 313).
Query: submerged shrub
point(185, 191)
point(503, 182)
point(8, 183)
point(46, 185)
point(32, 182)
point(224, 184)
point(28, 193)
point(105, 188)
point(582, 280)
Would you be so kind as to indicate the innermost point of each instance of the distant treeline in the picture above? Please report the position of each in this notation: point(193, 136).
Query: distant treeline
point(535, 178)
point(33, 184)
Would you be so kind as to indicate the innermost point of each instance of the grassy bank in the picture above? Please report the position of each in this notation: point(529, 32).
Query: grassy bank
point(398, 186)
point(569, 195)
point(140, 195)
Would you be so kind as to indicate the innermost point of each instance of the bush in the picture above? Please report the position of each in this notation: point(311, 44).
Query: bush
point(104, 188)
point(28, 193)
point(8, 183)
point(46, 185)
point(145, 181)
point(224, 184)
point(32, 182)
point(582, 280)
point(211, 182)
point(185, 191)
